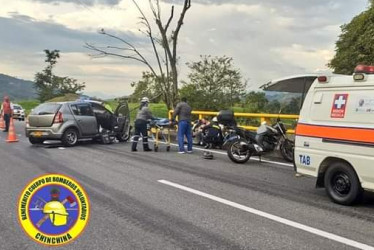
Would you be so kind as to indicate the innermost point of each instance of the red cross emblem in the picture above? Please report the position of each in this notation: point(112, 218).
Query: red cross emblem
point(338, 105)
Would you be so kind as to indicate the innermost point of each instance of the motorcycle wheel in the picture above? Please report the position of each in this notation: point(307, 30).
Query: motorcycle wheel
point(236, 152)
point(287, 150)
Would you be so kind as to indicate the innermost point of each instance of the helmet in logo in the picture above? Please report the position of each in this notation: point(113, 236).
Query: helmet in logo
point(57, 213)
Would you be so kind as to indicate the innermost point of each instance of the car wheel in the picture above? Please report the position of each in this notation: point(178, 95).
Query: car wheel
point(342, 184)
point(70, 137)
point(34, 140)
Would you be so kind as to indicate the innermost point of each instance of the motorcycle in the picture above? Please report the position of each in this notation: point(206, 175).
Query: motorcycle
point(265, 140)
point(208, 134)
point(214, 134)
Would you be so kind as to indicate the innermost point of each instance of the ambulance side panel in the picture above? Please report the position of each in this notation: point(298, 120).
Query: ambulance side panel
point(337, 123)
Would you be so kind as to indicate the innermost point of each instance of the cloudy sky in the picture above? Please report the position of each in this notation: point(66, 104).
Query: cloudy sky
point(267, 38)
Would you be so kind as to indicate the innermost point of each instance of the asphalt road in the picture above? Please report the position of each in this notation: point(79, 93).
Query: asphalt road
point(132, 209)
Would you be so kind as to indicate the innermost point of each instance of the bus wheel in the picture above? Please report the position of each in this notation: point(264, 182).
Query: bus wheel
point(342, 184)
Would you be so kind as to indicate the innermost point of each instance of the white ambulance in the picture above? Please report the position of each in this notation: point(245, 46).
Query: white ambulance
point(335, 134)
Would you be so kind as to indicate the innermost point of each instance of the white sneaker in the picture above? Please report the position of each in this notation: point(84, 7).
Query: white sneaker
point(181, 152)
point(190, 152)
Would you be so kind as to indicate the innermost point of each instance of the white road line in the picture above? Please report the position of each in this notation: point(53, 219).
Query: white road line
point(273, 162)
point(275, 218)
point(252, 158)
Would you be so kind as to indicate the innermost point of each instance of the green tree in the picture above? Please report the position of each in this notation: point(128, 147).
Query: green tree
point(163, 40)
point(213, 84)
point(355, 44)
point(255, 102)
point(49, 85)
point(147, 86)
point(293, 107)
point(273, 107)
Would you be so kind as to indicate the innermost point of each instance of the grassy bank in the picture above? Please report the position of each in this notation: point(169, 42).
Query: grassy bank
point(28, 105)
point(158, 109)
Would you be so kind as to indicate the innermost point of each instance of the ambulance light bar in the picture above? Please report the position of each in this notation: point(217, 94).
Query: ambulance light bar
point(366, 69)
point(361, 72)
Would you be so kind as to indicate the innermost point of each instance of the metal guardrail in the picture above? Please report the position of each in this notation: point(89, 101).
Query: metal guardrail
point(263, 117)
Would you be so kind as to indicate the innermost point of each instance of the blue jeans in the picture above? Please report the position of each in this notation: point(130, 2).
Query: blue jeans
point(184, 129)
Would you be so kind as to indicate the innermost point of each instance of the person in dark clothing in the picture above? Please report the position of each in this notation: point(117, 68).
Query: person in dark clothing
point(183, 111)
point(7, 110)
point(144, 114)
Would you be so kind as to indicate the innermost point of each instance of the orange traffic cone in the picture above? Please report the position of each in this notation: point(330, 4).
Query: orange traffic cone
point(2, 122)
point(12, 137)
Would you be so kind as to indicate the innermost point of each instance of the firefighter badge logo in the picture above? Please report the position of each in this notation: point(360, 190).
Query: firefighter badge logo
point(53, 209)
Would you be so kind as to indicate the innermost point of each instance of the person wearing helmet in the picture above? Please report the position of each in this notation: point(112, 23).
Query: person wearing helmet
point(144, 114)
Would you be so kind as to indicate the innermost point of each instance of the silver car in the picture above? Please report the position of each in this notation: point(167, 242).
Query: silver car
point(18, 112)
point(71, 121)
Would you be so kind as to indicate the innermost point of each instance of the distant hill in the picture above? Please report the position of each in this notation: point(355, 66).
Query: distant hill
point(16, 89)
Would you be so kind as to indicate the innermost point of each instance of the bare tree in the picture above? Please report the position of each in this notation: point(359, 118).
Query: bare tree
point(164, 46)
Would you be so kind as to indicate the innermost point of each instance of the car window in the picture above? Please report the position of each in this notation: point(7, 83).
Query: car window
point(16, 107)
point(82, 110)
point(123, 110)
point(74, 109)
point(46, 109)
point(98, 109)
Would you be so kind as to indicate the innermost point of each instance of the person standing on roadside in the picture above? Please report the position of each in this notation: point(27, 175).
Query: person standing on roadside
point(183, 111)
point(144, 114)
point(7, 111)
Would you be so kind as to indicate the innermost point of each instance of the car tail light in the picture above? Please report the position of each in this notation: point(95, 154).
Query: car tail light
point(58, 118)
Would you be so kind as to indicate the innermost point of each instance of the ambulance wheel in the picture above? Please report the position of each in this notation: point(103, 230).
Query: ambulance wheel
point(168, 148)
point(342, 184)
